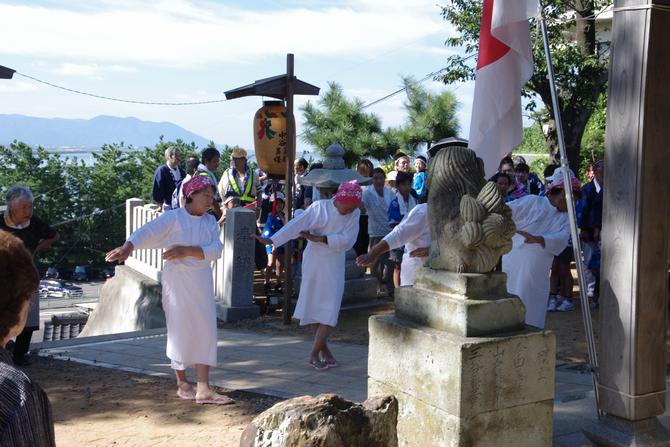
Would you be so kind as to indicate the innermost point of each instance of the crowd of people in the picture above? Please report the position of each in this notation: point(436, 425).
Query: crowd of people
point(386, 222)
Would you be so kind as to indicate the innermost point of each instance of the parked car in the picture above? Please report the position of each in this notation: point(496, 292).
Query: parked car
point(52, 273)
point(80, 273)
point(108, 273)
point(56, 288)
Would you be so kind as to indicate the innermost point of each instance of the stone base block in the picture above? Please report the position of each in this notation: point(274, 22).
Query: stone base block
point(229, 314)
point(360, 289)
point(465, 304)
point(615, 432)
point(355, 290)
point(128, 302)
point(421, 424)
point(464, 391)
point(464, 317)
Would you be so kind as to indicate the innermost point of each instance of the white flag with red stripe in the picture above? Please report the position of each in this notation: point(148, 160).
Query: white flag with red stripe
point(504, 65)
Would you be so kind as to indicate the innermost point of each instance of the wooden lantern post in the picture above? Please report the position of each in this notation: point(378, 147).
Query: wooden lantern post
point(282, 87)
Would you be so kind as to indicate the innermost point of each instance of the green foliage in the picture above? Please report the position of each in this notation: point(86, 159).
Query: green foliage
point(593, 142)
point(430, 117)
point(85, 203)
point(579, 65)
point(538, 165)
point(337, 119)
point(533, 141)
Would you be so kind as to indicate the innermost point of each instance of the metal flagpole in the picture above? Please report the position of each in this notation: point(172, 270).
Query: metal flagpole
point(576, 243)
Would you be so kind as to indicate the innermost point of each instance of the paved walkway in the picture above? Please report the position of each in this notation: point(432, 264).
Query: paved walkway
point(277, 366)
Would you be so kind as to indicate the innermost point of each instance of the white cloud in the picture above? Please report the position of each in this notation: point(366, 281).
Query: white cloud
point(183, 33)
point(92, 71)
point(14, 86)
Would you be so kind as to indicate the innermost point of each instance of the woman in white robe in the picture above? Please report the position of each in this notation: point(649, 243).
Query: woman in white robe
point(413, 232)
point(331, 227)
point(543, 231)
point(191, 238)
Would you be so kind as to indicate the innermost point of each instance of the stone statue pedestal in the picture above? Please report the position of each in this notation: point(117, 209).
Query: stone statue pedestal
point(465, 369)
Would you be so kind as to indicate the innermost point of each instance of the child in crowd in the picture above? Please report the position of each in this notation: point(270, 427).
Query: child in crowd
point(231, 200)
point(400, 206)
point(330, 227)
point(274, 223)
point(190, 237)
point(529, 182)
point(504, 183)
point(377, 200)
point(390, 180)
point(364, 168)
point(419, 183)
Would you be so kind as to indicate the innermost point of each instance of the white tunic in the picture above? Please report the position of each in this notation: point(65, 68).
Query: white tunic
point(413, 232)
point(528, 265)
point(188, 288)
point(322, 282)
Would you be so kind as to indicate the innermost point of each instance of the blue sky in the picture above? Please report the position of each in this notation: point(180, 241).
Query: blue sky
point(178, 50)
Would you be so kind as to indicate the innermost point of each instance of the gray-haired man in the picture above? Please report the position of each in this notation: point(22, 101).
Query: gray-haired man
point(166, 178)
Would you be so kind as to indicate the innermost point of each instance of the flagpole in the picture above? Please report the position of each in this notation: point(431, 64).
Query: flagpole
point(576, 243)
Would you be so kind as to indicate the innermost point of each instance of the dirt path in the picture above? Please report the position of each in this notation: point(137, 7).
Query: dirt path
point(103, 407)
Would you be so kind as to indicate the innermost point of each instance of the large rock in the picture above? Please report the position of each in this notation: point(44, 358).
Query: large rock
point(128, 302)
point(326, 420)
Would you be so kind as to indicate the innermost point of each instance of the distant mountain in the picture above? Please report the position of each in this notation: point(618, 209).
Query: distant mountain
point(62, 132)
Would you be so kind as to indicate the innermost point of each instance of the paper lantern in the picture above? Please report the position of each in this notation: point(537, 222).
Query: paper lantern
point(270, 138)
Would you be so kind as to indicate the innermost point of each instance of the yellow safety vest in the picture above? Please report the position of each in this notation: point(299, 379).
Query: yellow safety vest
point(249, 183)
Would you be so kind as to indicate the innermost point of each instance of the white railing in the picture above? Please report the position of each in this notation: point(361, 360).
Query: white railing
point(150, 262)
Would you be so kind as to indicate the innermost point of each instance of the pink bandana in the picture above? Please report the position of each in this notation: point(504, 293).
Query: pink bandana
point(197, 183)
point(349, 193)
point(559, 182)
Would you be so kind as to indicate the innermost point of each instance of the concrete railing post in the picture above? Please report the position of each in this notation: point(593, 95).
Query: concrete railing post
point(131, 204)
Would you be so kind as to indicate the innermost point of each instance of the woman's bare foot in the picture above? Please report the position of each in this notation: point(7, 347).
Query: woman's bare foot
point(328, 357)
point(185, 391)
point(212, 397)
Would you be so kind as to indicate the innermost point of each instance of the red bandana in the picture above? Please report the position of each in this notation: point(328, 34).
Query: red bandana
point(197, 183)
point(349, 193)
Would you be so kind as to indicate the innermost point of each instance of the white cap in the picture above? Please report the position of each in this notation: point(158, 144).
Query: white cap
point(391, 176)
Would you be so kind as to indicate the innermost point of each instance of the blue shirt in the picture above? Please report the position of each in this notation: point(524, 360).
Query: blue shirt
point(419, 184)
point(272, 225)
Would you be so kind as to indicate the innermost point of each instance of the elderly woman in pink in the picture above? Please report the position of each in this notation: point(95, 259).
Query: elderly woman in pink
point(331, 227)
point(190, 237)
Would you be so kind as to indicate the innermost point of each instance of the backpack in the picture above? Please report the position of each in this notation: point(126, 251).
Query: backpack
point(174, 202)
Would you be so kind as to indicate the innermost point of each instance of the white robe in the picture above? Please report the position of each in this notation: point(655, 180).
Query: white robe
point(528, 265)
point(413, 232)
point(322, 284)
point(188, 287)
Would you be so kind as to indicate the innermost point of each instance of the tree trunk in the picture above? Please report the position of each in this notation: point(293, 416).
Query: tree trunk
point(575, 109)
point(574, 125)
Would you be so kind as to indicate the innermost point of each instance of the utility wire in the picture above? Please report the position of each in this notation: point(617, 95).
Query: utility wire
point(94, 213)
point(131, 101)
point(390, 95)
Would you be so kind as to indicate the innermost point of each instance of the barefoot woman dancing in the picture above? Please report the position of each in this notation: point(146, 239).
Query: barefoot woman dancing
point(331, 227)
point(191, 239)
